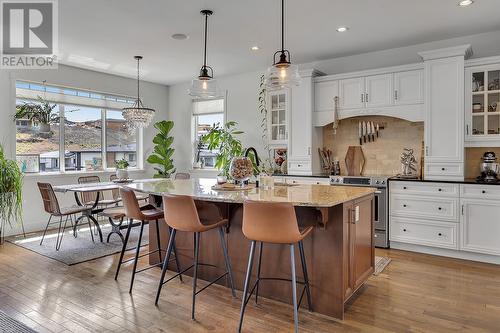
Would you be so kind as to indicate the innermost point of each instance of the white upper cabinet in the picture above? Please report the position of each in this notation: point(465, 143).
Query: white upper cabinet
point(324, 95)
point(352, 93)
point(482, 106)
point(378, 90)
point(409, 87)
point(444, 113)
point(278, 108)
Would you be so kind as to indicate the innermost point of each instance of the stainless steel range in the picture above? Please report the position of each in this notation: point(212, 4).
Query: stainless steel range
point(380, 209)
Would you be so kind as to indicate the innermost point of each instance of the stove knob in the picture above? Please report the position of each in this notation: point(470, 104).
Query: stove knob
point(383, 182)
point(377, 182)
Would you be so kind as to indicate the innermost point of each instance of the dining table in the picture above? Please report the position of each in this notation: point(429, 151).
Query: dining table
point(95, 208)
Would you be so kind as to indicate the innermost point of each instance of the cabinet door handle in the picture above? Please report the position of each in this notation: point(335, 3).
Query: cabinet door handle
point(309, 151)
point(362, 98)
point(426, 150)
point(462, 209)
point(366, 98)
point(467, 129)
point(395, 95)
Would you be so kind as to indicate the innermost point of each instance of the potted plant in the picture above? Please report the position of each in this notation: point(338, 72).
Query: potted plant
point(163, 152)
point(121, 169)
point(42, 112)
point(11, 185)
point(222, 138)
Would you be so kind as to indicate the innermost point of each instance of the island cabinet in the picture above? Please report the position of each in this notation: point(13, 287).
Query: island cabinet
point(360, 250)
point(339, 251)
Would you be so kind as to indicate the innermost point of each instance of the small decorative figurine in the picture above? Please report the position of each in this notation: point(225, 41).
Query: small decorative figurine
point(408, 164)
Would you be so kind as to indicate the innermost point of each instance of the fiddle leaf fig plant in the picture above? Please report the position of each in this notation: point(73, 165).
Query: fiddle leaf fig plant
point(163, 152)
point(11, 185)
point(223, 138)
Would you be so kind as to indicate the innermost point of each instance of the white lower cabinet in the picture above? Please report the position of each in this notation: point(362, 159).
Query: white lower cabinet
point(424, 232)
point(467, 220)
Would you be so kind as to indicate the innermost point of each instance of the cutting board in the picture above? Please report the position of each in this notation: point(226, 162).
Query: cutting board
point(354, 161)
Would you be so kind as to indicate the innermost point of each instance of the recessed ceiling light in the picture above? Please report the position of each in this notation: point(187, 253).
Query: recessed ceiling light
point(179, 36)
point(255, 48)
point(342, 29)
point(465, 3)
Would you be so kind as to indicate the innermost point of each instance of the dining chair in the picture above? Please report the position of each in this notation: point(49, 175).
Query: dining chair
point(51, 206)
point(182, 175)
point(116, 192)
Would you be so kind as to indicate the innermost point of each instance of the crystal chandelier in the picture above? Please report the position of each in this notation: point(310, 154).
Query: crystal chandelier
point(282, 73)
point(137, 116)
point(205, 86)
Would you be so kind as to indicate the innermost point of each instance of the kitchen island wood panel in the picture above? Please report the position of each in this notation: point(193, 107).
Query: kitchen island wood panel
point(339, 252)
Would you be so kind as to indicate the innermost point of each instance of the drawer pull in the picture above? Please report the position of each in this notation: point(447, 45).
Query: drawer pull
point(404, 230)
point(440, 234)
point(483, 191)
point(404, 206)
point(443, 169)
point(404, 187)
point(439, 208)
point(439, 189)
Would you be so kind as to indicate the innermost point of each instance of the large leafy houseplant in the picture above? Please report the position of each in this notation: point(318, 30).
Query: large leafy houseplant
point(223, 139)
point(163, 152)
point(11, 184)
point(41, 111)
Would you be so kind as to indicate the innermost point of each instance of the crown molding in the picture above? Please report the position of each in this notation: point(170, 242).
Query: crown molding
point(455, 51)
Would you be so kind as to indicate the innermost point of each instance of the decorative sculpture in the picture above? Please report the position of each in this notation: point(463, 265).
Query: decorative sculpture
point(408, 163)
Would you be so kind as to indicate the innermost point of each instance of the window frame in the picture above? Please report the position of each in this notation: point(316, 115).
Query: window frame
point(194, 124)
point(104, 104)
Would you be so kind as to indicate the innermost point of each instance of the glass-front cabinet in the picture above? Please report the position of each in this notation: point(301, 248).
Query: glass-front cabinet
point(277, 108)
point(482, 106)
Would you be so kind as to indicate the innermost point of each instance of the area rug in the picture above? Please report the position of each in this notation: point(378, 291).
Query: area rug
point(10, 325)
point(380, 264)
point(77, 250)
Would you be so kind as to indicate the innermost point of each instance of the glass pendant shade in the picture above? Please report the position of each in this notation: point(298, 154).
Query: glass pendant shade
point(204, 88)
point(282, 77)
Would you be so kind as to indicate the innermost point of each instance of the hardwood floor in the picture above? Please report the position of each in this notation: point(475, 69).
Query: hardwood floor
point(415, 293)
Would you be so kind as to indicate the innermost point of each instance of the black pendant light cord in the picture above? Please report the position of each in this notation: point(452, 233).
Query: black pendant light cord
point(205, 50)
point(138, 80)
point(282, 25)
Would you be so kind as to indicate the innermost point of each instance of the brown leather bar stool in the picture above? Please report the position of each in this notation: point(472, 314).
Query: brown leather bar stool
point(133, 211)
point(182, 215)
point(276, 223)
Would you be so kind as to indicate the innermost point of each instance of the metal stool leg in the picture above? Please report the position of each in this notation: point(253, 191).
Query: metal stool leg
point(174, 249)
point(306, 276)
point(124, 248)
point(45, 231)
point(158, 243)
point(258, 272)
point(165, 264)
point(227, 261)
point(195, 273)
point(137, 250)
point(247, 282)
point(294, 288)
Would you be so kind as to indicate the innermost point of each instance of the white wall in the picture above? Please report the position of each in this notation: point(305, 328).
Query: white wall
point(243, 88)
point(153, 95)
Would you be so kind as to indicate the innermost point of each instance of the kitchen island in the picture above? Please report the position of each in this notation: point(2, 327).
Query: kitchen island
point(339, 252)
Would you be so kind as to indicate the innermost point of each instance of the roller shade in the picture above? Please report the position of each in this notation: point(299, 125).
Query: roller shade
point(210, 106)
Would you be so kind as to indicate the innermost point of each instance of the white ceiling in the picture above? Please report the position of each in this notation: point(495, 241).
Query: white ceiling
point(105, 35)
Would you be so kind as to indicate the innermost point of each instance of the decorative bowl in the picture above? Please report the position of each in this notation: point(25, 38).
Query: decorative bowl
point(241, 169)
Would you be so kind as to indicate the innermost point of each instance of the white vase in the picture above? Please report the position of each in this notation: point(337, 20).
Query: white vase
point(122, 174)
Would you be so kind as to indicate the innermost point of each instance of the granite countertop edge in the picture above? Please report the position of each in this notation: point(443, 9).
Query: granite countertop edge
point(465, 181)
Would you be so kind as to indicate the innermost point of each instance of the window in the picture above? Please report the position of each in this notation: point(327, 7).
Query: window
point(92, 136)
point(119, 142)
point(206, 113)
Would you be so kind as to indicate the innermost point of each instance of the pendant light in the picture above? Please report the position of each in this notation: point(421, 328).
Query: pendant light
point(282, 73)
point(137, 116)
point(205, 86)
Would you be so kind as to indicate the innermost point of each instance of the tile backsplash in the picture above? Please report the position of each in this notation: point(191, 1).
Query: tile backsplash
point(381, 156)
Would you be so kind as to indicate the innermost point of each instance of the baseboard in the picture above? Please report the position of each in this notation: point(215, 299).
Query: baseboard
point(491, 259)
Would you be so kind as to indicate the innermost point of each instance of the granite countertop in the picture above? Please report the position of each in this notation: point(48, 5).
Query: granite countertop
point(298, 195)
point(465, 181)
